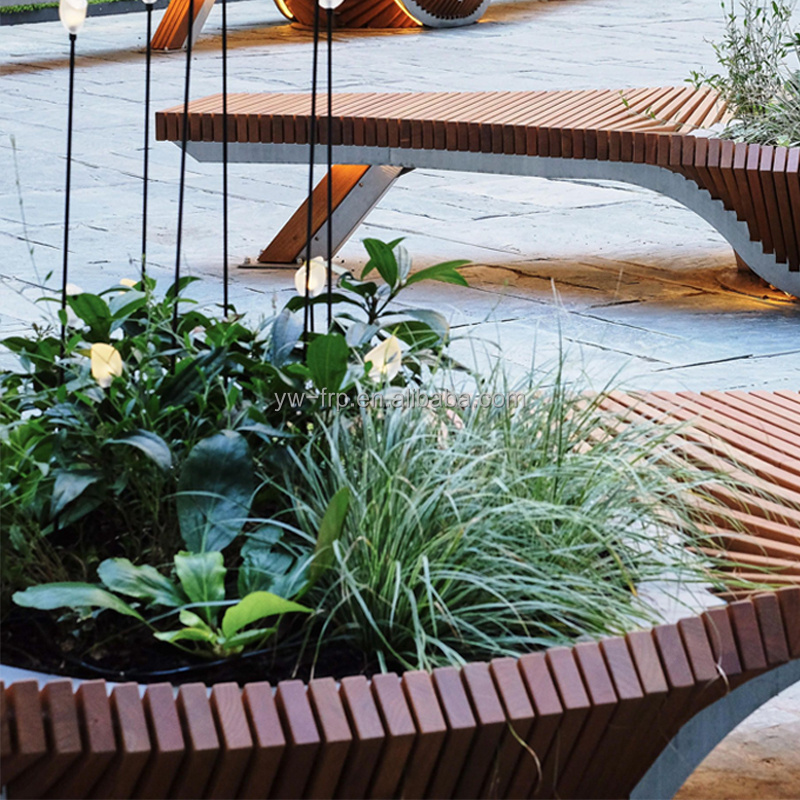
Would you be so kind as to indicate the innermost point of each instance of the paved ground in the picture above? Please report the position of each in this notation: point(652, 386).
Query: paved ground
point(635, 284)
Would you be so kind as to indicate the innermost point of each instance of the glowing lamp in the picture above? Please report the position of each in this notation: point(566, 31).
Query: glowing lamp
point(72, 13)
point(317, 278)
point(329, 5)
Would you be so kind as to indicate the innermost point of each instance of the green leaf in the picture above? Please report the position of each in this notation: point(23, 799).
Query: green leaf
point(445, 272)
point(330, 530)
point(48, 596)
point(381, 258)
point(93, 311)
point(433, 319)
point(359, 333)
point(257, 605)
point(191, 376)
point(190, 634)
point(120, 575)
point(327, 359)
point(241, 640)
point(215, 490)
point(150, 444)
point(192, 620)
point(202, 576)
point(286, 332)
point(70, 484)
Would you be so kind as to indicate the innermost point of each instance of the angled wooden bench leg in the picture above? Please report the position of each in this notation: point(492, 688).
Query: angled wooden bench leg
point(171, 32)
point(356, 191)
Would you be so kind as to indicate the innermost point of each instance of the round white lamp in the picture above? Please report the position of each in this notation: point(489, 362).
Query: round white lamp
point(329, 5)
point(72, 13)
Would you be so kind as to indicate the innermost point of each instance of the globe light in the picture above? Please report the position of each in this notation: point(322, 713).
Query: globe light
point(149, 2)
point(329, 5)
point(72, 13)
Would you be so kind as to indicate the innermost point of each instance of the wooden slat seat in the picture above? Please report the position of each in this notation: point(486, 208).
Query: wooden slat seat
point(598, 719)
point(172, 32)
point(587, 721)
point(649, 137)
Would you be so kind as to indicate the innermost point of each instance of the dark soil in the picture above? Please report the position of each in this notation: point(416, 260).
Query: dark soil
point(42, 641)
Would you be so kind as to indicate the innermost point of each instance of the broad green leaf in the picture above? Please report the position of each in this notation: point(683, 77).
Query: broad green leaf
point(191, 376)
point(215, 490)
point(120, 575)
point(261, 568)
point(48, 596)
point(150, 444)
point(433, 319)
point(329, 531)
point(202, 576)
point(327, 359)
point(359, 333)
point(255, 606)
point(265, 432)
point(286, 332)
point(192, 620)
point(93, 311)
point(125, 303)
point(240, 640)
point(189, 634)
point(382, 259)
point(181, 284)
point(69, 484)
point(445, 272)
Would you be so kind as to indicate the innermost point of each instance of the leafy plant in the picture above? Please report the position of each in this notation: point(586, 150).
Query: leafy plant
point(197, 597)
point(145, 430)
point(760, 87)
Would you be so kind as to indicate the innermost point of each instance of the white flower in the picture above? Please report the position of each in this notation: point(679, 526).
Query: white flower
point(317, 278)
point(106, 363)
point(73, 288)
point(385, 359)
point(128, 282)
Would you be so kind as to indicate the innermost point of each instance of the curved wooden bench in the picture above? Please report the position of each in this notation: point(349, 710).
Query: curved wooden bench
point(749, 193)
point(627, 716)
point(171, 32)
point(593, 719)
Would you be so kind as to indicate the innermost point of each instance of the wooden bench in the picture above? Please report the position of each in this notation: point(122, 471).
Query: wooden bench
point(627, 716)
point(594, 718)
point(171, 32)
point(749, 193)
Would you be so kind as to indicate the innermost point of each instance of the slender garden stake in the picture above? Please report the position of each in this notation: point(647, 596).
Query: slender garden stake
point(148, 53)
point(184, 139)
point(72, 14)
point(308, 317)
point(329, 6)
point(224, 158)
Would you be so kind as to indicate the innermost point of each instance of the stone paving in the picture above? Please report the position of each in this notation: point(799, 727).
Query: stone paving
point(629, 283)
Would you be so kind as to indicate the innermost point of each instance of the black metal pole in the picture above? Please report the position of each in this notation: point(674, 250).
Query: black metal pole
point(308, 318)
point(146, 136)
point(224, 158)
point(184, 139)
point(65, 265)
point(329, 14)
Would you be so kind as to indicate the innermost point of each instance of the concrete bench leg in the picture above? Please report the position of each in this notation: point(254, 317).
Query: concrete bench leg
point(356, 191)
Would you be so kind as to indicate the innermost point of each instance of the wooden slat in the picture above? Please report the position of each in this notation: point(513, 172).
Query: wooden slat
point(26, 724)
point(268, 740)
point(168, 744)
point(235, 739)
point(202, 742)
point(461, 728)
point(302, 740)
point(431, 731)
point(336, 737)
point(133, 744)
point(400, 735)
point(368, 737)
